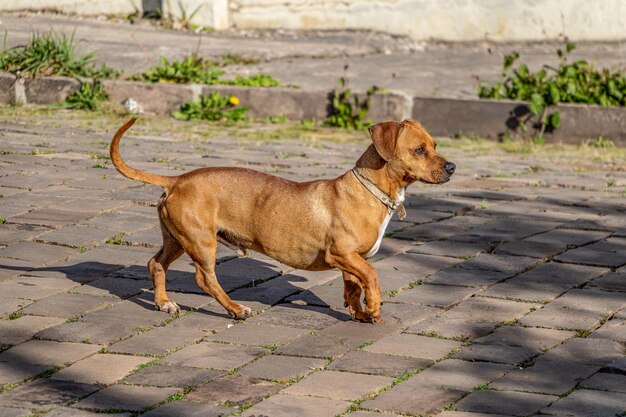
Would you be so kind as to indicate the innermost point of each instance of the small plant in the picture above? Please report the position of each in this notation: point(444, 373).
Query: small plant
point(392, 293)
point(483, 204)
point(347, 111)
point(16, 315)
point(81, 249)
point(600, 143)
point(258, 80)
point(192, 69)
point(582, 333)
point(88, 97)
point(101, 165)
point(2, 220)
point(280, 119)
point(577, 82)
point(50, 54)
point(213, 107)
point(118, 239)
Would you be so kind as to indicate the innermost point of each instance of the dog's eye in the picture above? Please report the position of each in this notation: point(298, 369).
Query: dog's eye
point(420, 150)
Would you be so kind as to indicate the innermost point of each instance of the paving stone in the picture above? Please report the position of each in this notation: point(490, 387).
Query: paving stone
point(612, 329)
point(257, 335)
point(406, 314)
point(15, 372)
point(292, 405)
point(35, 288)
point(485, 269)
point(158, 341)
point(137, 311)
point(214, 355)
point(13, 332)
point(13, 233)
point(244, 271)
point(13, 268)
point(338, 385)
point(77, 235)
point(72, 412)
point(211, 318)
point(306, 317)
point(452, 328)
point(610, 282)
point(10, 305)
point(507, 402)
point(172, 376)
point(588, 403)
point(545, 282)
point(185, 408)
point(442, 229)
point(377, 364)
point(576, 309)
point(534, 338)
point(43, 352)
point(329, 294)
point(281, 368)
point(545, 377)
point(495, 353)
point(14, 412)
point(102, 369)
point(406, 399)
point(234, 390)
point(551, 243)
point(489, 310)
point(88, 332)
point(398, 271)
point(451, 248)
point(610, 252)
point(599, 352)
point(606, 382)
point(126, 397)
point(318, 346)
point(434, 295)
point(66, 305)
point(51, 217)
point(414, 346)
point(45, 393)
point(113, 286)
point(458, 375)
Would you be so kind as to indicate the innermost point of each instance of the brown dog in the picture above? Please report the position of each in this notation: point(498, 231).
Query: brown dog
point(314, 225)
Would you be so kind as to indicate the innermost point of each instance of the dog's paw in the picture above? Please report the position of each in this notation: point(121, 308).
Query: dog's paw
point(243, 314)
point(168, 307)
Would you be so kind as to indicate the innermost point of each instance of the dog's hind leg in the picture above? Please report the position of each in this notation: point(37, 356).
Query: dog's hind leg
point(202, 251)
point(158, 265)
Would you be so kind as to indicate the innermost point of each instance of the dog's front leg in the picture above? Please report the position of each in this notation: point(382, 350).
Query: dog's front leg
point(367, 276)
point(352, 294)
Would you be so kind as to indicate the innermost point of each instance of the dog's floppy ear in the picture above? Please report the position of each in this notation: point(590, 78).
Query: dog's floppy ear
point(384, 135)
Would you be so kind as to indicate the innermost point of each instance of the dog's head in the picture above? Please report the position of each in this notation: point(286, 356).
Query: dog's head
point(410, 152)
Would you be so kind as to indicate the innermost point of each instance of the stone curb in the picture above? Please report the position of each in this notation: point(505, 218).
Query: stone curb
point(441, 116)
point(491, 119)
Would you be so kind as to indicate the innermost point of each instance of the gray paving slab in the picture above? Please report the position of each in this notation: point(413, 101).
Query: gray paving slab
point(508, 402)
point(125, 397)
point(378, 364)
point(214, 356)
point(405, 399)
point(177, 376)
point(415, 346)
point(292, 405)
point(45, 393)
point(588, 403)
point(185, 408)
point(13, 332)
point(338, 385)
point(44, 352)
point(235, 390)
point(281, 368)
point(103, 369)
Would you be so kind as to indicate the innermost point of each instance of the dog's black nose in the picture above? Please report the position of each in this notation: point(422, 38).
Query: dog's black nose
point(449, 167)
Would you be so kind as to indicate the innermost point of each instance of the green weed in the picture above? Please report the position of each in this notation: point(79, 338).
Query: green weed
point(2, 220)
point(118, 239)
point(213, 107)
point(576, 82)
point(51, 53)
point(347, 110)
point(88, 97)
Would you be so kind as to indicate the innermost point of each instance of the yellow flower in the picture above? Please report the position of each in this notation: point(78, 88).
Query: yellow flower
point(233, 100)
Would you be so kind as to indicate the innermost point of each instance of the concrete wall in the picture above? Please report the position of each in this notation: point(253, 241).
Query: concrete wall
point(450, 20)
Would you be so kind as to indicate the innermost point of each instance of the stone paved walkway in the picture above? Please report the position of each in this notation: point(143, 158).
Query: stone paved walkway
point(504, 290)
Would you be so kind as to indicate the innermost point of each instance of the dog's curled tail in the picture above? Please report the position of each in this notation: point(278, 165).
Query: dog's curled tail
point(132, 173)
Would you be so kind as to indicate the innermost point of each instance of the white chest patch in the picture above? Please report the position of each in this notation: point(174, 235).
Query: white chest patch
point(382, 228)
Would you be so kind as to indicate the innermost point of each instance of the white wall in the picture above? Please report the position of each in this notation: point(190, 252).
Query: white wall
point(450, 20)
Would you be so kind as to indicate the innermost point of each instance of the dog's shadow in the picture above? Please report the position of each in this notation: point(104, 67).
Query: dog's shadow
point(255, 282)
